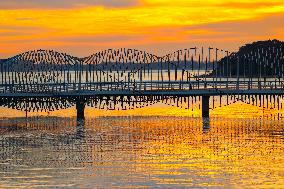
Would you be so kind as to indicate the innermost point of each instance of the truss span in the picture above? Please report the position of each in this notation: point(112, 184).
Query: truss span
point(46, 80)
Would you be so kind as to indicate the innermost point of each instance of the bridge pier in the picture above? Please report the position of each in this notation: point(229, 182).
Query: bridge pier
point(205, 106)
point(80, 107)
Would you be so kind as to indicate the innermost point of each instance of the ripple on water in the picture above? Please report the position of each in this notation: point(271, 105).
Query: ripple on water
point(135, 152)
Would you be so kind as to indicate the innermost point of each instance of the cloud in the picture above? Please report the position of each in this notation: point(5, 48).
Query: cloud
point(249, 5)
point(62, 4)
point(270, 25)
point(8, 33)
point(158, 28)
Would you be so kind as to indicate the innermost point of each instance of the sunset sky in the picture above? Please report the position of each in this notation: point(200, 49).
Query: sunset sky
point(83, 27)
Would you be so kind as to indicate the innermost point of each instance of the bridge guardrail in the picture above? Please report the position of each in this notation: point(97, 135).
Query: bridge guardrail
point(140, 86)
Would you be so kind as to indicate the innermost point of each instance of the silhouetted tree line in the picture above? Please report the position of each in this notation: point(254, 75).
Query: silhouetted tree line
point(259, 59)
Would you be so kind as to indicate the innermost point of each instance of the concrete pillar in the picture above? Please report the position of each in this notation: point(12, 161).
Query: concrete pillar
point(80, 106)
point(205, 106)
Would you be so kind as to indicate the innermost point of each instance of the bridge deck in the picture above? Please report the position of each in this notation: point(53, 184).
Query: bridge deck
point(201, 92)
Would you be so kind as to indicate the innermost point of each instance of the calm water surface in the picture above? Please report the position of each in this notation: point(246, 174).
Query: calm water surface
point(141, 152)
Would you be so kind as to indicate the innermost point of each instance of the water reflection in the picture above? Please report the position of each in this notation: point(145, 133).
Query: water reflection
point(205, 125)
point(137, 152)
point(80, 129)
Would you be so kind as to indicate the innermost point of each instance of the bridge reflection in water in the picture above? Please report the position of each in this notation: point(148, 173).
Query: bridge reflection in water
point(141, 151)
point(44, 80)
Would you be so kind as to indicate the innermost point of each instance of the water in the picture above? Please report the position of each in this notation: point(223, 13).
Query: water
point(141, 152)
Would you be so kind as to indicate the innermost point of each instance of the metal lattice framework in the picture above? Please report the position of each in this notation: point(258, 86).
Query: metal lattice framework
point(45, 80)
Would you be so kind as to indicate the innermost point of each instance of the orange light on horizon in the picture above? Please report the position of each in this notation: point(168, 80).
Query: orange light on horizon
point(149, 25)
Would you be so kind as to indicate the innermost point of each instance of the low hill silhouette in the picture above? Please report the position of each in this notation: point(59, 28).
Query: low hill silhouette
point(258, 59)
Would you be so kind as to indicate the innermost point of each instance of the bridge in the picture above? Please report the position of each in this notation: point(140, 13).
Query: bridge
point(46, 80)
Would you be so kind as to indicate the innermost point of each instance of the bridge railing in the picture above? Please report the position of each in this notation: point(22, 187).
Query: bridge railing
point(138, 86)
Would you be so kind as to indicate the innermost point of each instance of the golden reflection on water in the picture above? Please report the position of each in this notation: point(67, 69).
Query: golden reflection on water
point(236, 110)
point(142, 151)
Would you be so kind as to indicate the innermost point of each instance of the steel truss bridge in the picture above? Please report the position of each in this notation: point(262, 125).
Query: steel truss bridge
point(46, 80)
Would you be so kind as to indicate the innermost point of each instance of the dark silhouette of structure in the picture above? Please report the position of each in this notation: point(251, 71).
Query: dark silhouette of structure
point(45, 80)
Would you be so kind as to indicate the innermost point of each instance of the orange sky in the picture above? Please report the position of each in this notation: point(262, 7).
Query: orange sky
point(83, 27)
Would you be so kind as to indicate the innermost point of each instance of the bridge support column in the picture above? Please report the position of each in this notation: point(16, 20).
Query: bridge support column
point(205, 106)
point(80, 106)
